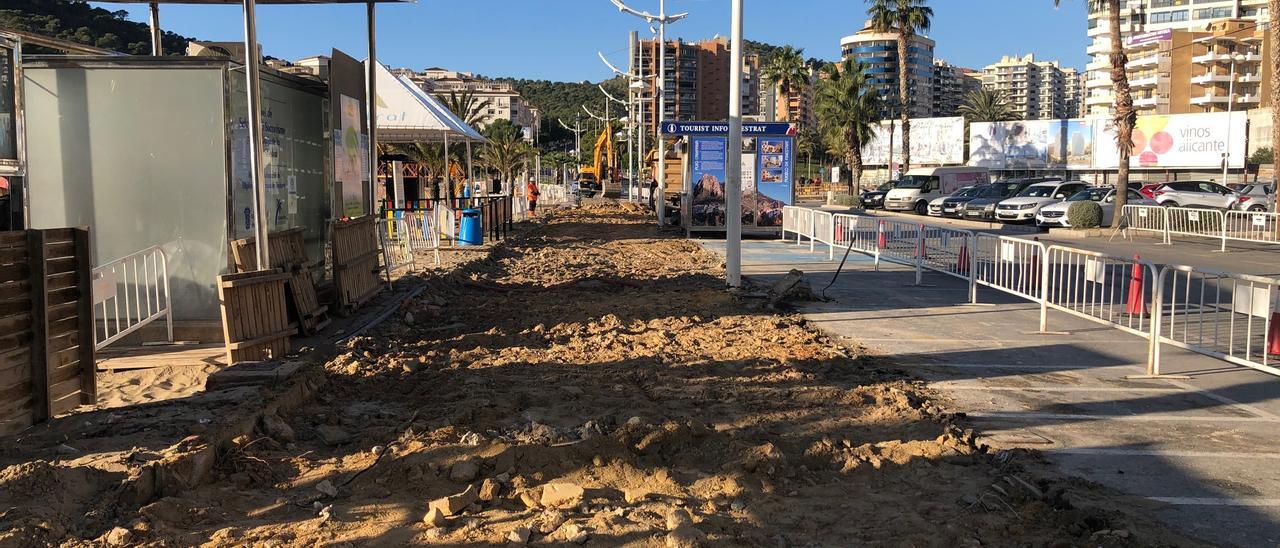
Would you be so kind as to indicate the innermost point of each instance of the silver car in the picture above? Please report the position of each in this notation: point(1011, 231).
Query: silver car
point(1201, 194)
point(1256, 198)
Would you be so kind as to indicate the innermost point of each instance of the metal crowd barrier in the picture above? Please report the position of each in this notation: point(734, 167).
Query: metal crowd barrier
point(1233, 317)
point(129, 293)
point(394, 237)
point(1244, 226)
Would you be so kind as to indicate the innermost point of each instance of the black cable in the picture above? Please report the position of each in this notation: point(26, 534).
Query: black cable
point(847, 250)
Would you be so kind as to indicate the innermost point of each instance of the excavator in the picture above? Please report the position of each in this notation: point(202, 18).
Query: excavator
point(604, 166)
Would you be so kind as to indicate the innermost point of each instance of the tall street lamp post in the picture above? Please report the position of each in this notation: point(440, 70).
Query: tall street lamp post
point(661, 19)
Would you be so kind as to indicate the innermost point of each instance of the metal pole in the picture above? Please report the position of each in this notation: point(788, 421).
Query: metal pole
point(471, 174)
point(661, 176)
point(254, 91)
point(1231, 99)
point(643, 129)
point(448, 177)
point(632, 164)
point(733, 165)
point(371, 101)
point(157, 48)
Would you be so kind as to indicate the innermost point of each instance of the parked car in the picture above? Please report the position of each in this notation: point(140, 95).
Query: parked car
point(983, 207)
point(1256, 198)
point(1023, 207)
point(874, 199)
point(1201, 194)
point(946, 205)
point(1055, 215)
point(922, 185)
point(953, 205)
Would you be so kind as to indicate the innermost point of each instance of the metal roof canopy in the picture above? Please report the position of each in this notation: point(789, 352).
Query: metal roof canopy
point(252, 58)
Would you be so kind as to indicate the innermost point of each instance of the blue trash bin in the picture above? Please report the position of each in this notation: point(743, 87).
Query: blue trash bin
point(470, 228)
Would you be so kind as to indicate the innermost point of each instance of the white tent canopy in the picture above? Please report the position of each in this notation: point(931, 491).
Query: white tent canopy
point(406, 114)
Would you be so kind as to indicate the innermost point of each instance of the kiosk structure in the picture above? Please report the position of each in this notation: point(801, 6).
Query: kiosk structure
point(768, 174)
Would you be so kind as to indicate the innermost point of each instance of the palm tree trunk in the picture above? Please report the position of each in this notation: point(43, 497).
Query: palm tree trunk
point(855, 166)
point(782, 103)
point(904, 106)
point(1274, 6)
point(1125, 118)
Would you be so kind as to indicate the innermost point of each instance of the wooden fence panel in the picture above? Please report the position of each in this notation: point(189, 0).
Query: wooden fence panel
point(355, 262)
point(46, 325)
point(255, 322)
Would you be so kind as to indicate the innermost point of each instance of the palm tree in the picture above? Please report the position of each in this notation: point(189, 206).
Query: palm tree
point(786, 70)
point(807, 144)
point(1124, 117)
point(506, 150)
point(907, 18)
point(986, 105)
point(848, 109)
point(466, 106)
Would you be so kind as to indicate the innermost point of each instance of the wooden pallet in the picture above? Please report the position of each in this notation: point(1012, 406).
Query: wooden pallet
point(255, 319)
point(355, 262)
point(288, 253)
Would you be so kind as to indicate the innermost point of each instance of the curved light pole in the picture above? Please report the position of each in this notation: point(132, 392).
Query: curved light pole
point(630, 122)
point(733, 167)
point(660, 88)
point(635, 90)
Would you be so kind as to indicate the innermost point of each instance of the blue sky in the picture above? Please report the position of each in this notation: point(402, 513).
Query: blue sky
point(558, 39)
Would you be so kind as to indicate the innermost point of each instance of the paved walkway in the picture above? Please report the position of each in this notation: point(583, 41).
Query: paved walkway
point(1205, 451)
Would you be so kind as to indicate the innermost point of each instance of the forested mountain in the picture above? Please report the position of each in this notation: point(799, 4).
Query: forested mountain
point(563, 101)
point(80, 22)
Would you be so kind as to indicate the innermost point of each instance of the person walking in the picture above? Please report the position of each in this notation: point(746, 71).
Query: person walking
point(532, 192)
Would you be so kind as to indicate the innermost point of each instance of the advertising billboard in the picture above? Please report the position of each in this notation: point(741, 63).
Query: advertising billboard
point(706, 167)
point(934, 141)
point(1177, 141)
point(774, 181)
point(1031, 144)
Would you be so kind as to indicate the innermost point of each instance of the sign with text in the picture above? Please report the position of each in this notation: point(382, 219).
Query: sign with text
point(1177, 141)
point(722, 128)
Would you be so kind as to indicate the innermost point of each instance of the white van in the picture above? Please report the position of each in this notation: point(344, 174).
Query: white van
point(922, 185)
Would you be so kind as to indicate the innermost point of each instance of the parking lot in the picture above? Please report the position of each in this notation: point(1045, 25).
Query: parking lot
point(1201, 451)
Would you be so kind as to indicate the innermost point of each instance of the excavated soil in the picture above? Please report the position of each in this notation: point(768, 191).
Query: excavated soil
point(592, 382)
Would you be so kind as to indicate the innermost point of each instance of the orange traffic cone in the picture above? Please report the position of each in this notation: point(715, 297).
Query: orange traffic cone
point(1273, 335)
point(880, 239)
point(1136, 305)
point(962, 261)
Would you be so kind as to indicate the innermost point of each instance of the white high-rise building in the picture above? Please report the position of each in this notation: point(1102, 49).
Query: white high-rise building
point(1037, 90)
point(1142, 16)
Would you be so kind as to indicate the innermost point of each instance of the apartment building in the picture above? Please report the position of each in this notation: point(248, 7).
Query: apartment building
point(879, 52)
point(950, 85)
point(1037, 90)
point(1140, 17)
point(504, 102)
point(1185, 71)
point(696, 80)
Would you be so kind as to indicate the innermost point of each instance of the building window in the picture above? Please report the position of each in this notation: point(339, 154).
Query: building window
point(1213, 13)
point(1169, 16)
point(1168, 3)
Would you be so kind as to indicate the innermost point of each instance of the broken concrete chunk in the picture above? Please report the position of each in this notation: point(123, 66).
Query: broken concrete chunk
point(678, 518)
point(520, 535)
point(326, 487)
point(561, 495)
point(332, 435)
point(456, 503)
point(275, 427)
point(686, 536)
point(464, 471)
point(490, 489)
point(434, 518)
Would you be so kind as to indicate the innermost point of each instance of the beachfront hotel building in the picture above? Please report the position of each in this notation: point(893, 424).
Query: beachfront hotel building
point(1140, 17)
point(1036, 90)
point(879, 52)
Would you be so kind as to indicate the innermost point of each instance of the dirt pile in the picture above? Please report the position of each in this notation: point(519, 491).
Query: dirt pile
point(593, 383)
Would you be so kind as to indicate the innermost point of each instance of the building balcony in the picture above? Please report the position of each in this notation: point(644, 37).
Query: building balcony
point(1249, 98)
point(1249, 78)
point(1212, 57)
point(1144, 61)
point(1210, 78)
point(1099, 100)
point(1141, 102)
point(1207, 99)
point(1099, 83)
point(1145, 81)
point(1098, 48)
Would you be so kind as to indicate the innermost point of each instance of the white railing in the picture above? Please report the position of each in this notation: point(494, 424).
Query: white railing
point(1250, 226)
point(129, 293)
point(1233, 317)
point(1012, 265)
point(1242, 226)
point(1228, 316)
point(1104, 288)
point(394, 237)
point(423, 232)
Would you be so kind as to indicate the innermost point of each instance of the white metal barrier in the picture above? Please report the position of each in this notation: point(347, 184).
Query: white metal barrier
point(1233, 317)
point(423, 233)
point(394, 237)
point(129, 293)
point(1012, 265)
point(1244, 226)
point(1228, 316)
point(1249, 226)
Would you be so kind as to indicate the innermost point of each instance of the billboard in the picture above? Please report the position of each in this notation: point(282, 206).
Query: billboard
point(774, 180)
point(1031, 144)
point(1177, 141)
point(934, 141)
point(707, 168)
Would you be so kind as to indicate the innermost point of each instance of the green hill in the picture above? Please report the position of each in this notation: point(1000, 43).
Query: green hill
point(85, 24)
